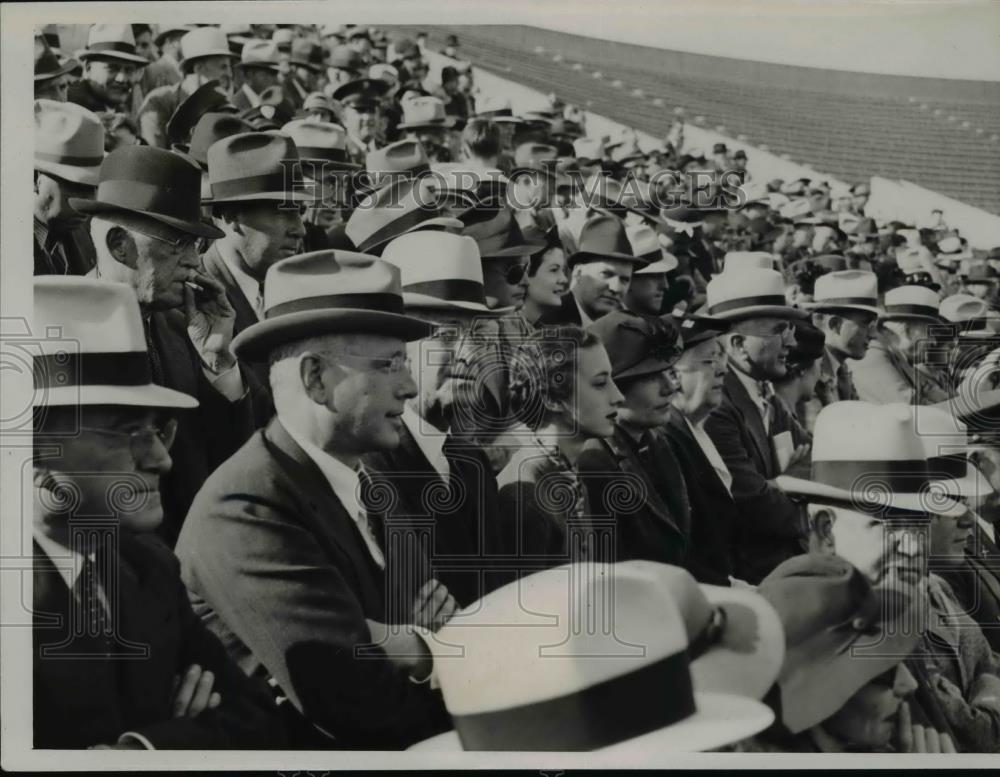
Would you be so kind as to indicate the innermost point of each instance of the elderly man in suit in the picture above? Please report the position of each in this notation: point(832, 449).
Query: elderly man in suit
point(771, 526)
point(701, 371)
point(442, 477)
point(145, 224)
point(284, 550)
point(120, 661)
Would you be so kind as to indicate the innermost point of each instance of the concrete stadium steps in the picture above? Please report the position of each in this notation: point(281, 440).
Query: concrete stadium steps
point(849, 134)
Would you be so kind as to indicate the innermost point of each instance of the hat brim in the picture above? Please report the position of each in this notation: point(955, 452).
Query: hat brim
point(975, 486)
point(262, 196)
point(748, 659)
point(935, 502)
point(445, 222)
point(659, 266)
point(821, 307)
point(910, 317)
point(648, 366)
point(88, 176)
point(414, 300)
point(590, 256)
point(447, 123)
point(149, 395)
point(256, 341)
point(720, 719)
point(97, 208)
point(214, 53)
point(262, 65)
point(67, 66)
point(522, 249)
point(754, 311)
point(134, 59)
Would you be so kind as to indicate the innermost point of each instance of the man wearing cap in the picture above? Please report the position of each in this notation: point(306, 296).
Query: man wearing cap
point(654, 521)
point(443, 284)
point(408, 62)
point(295, 524)
point(257, 207)
point(165, 71)
point(110, 63)
point(360, 101)
point(649, 283)
point(69, 148)
point(425, 120)
point(145, 223)
point(600, 272)
point(747, 426)
point(259, 67)
point(120, 660)
point(306, 63)
point(343, 66)
point(51, 75)
point(845, 308)
point(701, 369)
point(206, 57)
point(892, 369)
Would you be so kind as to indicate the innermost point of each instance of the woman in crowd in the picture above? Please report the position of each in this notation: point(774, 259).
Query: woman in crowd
point(546, 281)
point(562, 390)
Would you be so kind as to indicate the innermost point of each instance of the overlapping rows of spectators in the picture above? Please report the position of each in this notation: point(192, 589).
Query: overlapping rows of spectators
point(387, 416)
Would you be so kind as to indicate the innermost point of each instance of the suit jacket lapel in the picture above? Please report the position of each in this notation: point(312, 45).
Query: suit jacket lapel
point(216, 266)
point(751, 416)
point(624, 450)
point(678, 424)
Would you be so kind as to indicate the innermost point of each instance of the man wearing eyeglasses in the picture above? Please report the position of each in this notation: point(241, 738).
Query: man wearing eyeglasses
point(120, 660)
point(145, 225)
point(747, 427)
point(291, 550)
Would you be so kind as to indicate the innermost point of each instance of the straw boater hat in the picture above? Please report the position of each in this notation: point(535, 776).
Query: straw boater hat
point(840, 634)
point(911, 303)
point(201, 43)
point(100, 356)
point(439, 270)
point(525, 679)
point(256, 166)
point(869, 458)
point(748, 293)
point(328, 292)
point(321, 142)
point(112, 41)
point(69, 141)
point(151, 183)
point(846, 290)
point(646, 246)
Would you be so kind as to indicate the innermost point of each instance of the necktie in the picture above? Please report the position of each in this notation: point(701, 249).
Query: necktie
point(364, 519)
point(92, 619)
point(845, 386)
point(258, 304)
point(766, 395)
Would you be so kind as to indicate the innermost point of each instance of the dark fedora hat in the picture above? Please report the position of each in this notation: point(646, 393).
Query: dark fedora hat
point(696, 329)
point(307, 54)
point(256, 166)
point(212, 127)
point(500, 237)
point(47, 65)
point(274, 112)
point(638, 345)
point(603, 238)
point(207, 98)
point(152, 183)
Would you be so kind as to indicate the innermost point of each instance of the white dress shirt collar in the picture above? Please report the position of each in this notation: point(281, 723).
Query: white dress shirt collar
point(753, 389)
point(68, 562)
point(251, 95)
point(249, 285)
point(711, 452)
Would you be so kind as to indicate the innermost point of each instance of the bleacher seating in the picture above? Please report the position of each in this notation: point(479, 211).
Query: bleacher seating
point(849, 125)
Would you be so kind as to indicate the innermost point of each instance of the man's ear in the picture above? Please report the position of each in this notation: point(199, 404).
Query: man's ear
point(314, 381)
point(818, 320)
point(121, 245)
point(821, 531)
point(733, 342)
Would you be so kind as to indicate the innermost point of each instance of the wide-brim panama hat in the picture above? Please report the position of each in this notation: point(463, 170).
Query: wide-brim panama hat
point(111, 41)
point(328, 292)
point(869, 457)
point(748, 292)
point(946, 445)
point(204, 42)
point(526, 679)
point(439, 270)
point(911, 303)
point(100, 356)
point(152, 183)
point(846, 290)
point(69, 141)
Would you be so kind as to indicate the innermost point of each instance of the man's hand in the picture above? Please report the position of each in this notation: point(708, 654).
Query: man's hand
point(433, 606)
point(193, 693)
point(801, 453)
point(914, 738)
point(402, 647)
point(210, 320)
